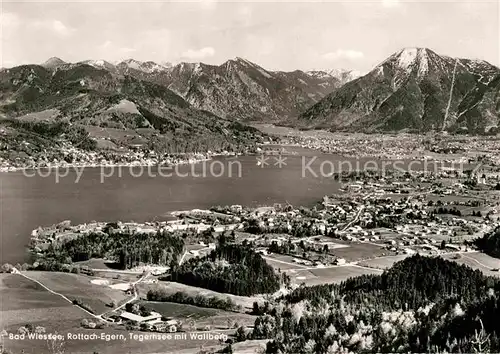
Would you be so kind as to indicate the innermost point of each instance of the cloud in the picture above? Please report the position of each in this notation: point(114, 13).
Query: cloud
point(343, 54)
point(390, 3)
point(127, 50)
point(61, 28)
point(106, 44)
point(55, 26)
point(9, 20)
point(199, 54)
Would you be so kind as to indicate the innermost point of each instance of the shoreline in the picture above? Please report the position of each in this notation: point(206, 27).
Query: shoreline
point(112, 165)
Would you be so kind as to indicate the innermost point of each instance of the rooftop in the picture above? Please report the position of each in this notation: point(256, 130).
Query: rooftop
point(136, 318)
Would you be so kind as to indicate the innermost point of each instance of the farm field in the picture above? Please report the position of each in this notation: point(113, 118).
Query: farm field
point(175, 310)
point(240, 236)
point(172, 288)
point(282, 262)
point(28, 302)
point(485, 259)
point(75, 286)
point(477, 260)
point(217, 319)
point(337, 274)
point(359, 251)
point(383, 262)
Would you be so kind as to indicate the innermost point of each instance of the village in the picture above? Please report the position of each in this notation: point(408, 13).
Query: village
point(70, 156)
point(371, 222)
point(370, 218)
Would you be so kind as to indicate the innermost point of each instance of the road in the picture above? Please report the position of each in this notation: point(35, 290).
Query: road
point(182, 258)
point(136, 294)
point(16, 271)
point(475, 260)
point(116, 271)
point(303, 267)
point(299, 267)
point(361, 208)
point(134, 297)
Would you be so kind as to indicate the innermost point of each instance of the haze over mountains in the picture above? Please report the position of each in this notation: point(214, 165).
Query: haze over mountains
point(410, 90)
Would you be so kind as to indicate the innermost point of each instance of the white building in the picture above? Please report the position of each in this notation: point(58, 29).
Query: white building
point(153, 318)
point(340, 261)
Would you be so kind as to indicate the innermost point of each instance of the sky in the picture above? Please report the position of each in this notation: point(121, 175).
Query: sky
point(279, 35)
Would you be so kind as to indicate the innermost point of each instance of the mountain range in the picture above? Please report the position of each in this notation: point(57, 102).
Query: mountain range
point(414, 89)
point(238, 89)
point(417, 90)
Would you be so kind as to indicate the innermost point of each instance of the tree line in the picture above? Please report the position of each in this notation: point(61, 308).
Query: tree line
point(161, 248)
point(160, 294)
point(421, 304)
point(490, 243)
point(230, 268)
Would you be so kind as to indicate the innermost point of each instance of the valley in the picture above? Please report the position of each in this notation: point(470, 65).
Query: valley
point(249, 177)
point(97, 111)
point(389, 220)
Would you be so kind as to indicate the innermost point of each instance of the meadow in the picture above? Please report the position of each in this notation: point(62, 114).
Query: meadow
point(246, 302)
point(360, 250)
point(383, 262)
point(335, 274)
point(29, 303)
point(199, 316)
point(75, 286)
point(477, 260)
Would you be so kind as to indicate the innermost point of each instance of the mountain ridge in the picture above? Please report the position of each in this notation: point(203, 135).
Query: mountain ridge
point(89, 96)
point(414, 89)
point(236, 89)
point(410, 90)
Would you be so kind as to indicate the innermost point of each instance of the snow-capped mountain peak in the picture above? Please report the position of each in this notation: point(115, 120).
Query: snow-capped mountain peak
point(99, 64)
point(133, 64)
point(414, 59)
point(147, 67)
point(416, 89)
point(342, 75)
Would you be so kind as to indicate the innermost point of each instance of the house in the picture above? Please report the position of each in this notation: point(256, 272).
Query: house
point(236, 208)
point(276, 240)
point(220, 228)
point(430, 247)
point(114, 319)
point(453, 247)
point(340, 261)
point(153, 318)
point(166, 326)
point(160, 271)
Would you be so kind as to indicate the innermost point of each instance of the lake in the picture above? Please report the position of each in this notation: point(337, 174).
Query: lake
point(125, 194)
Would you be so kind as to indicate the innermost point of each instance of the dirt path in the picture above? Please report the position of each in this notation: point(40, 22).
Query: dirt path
point(15, 271)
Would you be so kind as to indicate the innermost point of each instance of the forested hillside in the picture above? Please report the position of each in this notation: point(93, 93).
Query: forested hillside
point(230, 268)
point(421, 304)
point(490, 243)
